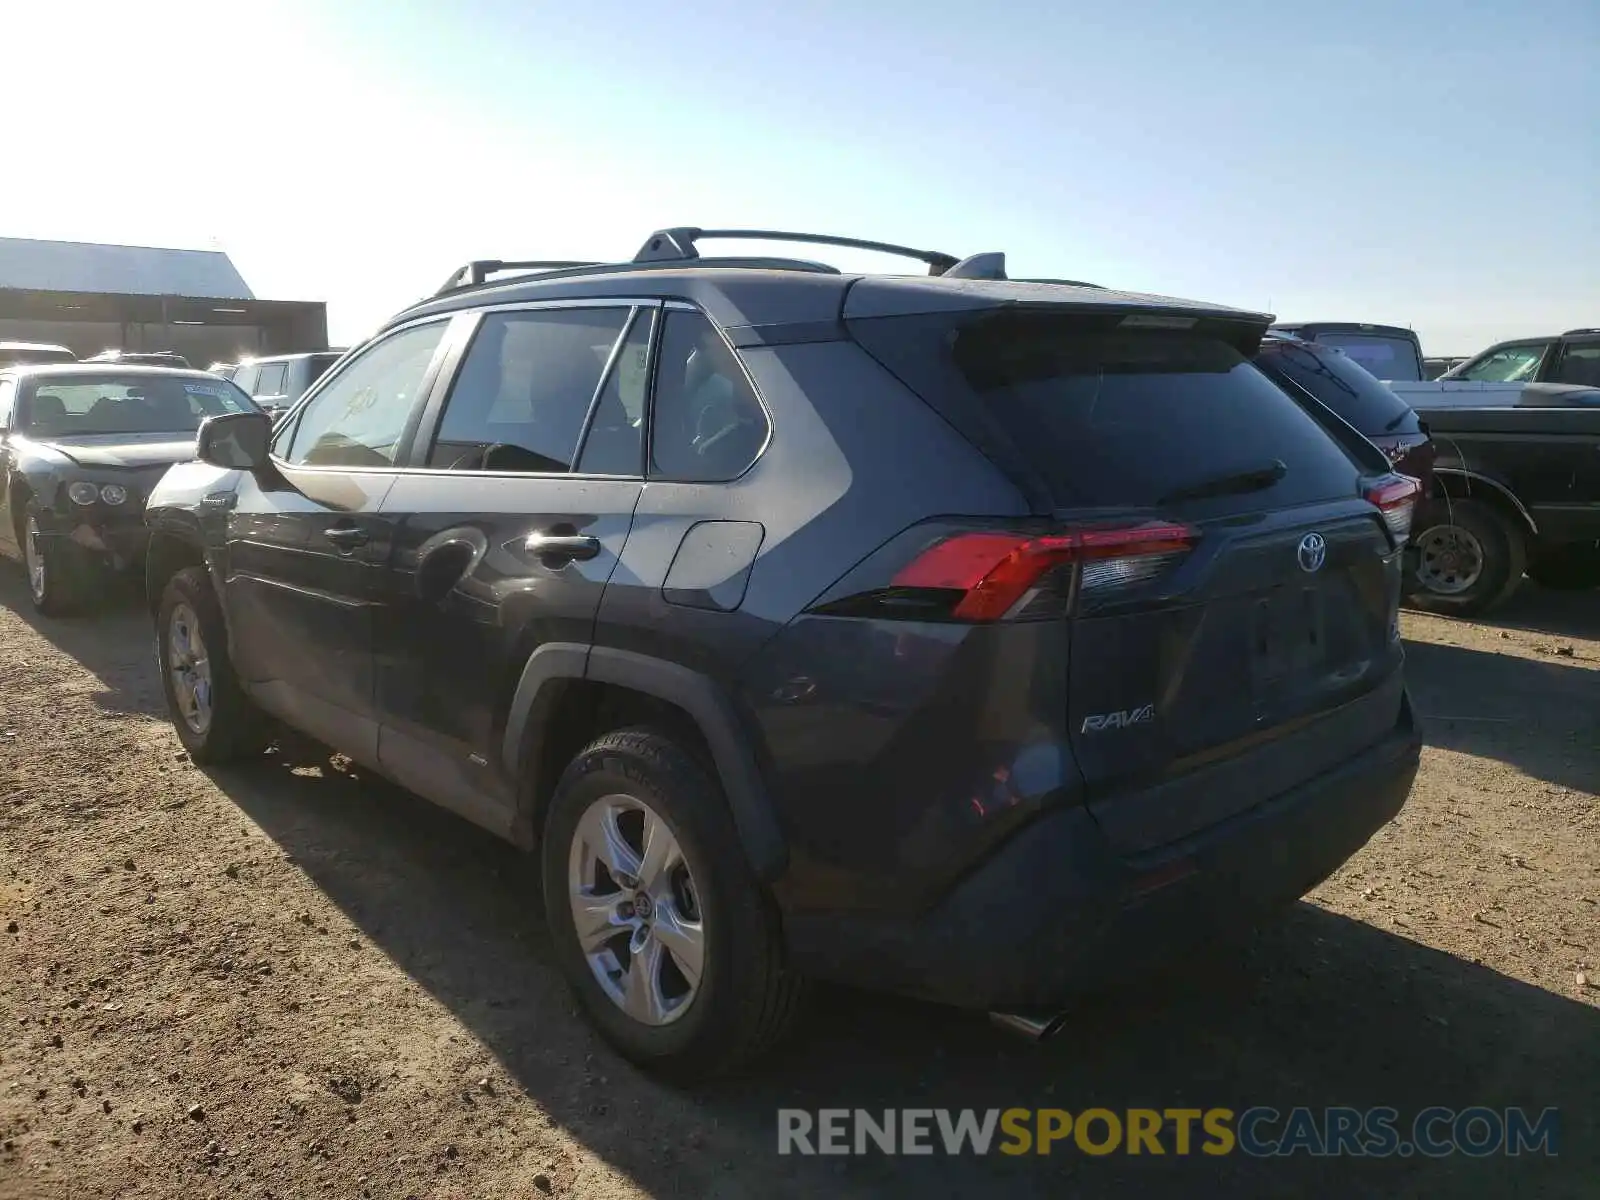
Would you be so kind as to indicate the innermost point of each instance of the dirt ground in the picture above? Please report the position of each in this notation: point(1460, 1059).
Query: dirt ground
point(283, 981)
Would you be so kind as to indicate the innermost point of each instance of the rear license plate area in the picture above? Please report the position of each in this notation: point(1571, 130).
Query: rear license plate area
point(1288, 637)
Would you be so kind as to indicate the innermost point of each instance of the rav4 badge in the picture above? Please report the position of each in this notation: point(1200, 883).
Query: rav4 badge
point(1100, 722)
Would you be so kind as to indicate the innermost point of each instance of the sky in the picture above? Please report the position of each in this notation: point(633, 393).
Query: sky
point(1433, 164)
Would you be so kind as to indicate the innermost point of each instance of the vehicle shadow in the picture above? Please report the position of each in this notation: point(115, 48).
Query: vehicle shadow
point(1323, 1011)
point(1541, 717)
point(99, 639)
point(1534, 609)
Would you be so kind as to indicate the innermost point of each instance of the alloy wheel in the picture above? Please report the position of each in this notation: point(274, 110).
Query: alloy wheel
point(33, 551)
point(635, 909)
point(189, 668)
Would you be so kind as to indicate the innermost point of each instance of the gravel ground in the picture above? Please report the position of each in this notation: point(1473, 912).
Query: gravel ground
point(287, 981)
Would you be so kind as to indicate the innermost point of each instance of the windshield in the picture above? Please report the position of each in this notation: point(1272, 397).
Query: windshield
point(69, 405)
point(1383, 355)
point(1508, 364)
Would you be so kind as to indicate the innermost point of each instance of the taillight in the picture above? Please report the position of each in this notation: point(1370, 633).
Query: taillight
point(1396, 498)
point(1001, 574)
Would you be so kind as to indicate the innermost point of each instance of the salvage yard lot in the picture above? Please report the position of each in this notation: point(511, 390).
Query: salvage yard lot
point(283, 980)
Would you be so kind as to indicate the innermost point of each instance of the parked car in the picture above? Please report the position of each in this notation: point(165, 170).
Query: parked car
point(1516, 489)
point(276, 383)
point(147, 358)
point(1332, 378)
point(1386, 352)
point(14, 354)
point(1496, 377)
point(81, 446)
point(976, 640)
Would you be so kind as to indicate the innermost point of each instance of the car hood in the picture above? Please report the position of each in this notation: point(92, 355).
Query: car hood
point(124, 450)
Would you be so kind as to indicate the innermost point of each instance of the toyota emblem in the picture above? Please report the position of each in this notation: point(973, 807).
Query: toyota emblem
point(1313, 552)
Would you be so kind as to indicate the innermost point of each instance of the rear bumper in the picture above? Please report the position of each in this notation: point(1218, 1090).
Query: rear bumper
point(1056, 912)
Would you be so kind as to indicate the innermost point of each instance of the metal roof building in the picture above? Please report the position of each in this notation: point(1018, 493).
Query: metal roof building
point(92, 297)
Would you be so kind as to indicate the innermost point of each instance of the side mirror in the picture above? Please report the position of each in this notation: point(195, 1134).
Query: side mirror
point(237, 441)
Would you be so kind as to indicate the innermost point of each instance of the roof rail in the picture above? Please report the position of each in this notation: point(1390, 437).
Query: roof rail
point(478, 270)
point(678, 245)
point(1575, 332)
point(1066, 283)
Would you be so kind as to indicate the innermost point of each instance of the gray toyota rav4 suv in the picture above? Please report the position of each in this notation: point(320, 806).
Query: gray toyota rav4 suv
point(973, 639)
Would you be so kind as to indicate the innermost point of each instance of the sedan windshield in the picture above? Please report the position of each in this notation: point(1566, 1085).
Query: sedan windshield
point(69, 405)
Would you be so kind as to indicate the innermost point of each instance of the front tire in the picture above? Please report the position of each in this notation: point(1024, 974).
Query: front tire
point(215, 720)
point(1469, 556)
point(55, 572)
point(659, 925)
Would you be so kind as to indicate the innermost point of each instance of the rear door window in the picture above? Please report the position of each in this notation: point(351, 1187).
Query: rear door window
point(245, 377)
point(1332, 377)
point(1580, 363)
point(1109, 417)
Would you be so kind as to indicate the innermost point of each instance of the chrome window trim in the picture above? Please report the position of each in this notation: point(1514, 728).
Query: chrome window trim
point(476, 313)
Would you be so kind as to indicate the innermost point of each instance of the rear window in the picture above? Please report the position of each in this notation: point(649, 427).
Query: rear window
point(1108, 417)
point(1333, 378)
point(1384, 356)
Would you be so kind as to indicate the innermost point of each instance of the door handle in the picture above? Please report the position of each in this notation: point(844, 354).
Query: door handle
point(565, 547)
point(346, 538)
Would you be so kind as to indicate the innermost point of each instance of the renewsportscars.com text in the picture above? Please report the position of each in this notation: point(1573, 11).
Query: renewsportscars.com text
point(1260, 1132)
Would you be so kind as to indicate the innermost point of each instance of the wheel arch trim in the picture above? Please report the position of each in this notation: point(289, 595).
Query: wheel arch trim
point(1500, 489)
point(694, 693)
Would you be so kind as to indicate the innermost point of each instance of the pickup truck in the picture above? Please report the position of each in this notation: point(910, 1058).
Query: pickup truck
point(1496, 377)
point(1516, 489)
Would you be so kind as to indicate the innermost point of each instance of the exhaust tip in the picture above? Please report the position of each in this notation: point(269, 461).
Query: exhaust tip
point(1036, 1027)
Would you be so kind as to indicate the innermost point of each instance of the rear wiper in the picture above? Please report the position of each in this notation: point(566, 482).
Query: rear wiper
point(1392, 424)
point(1254, 480)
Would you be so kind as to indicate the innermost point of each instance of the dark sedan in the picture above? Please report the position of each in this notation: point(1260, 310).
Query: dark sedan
point(81, 446)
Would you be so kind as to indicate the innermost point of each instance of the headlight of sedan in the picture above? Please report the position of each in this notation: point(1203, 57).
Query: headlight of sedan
point(85, 493)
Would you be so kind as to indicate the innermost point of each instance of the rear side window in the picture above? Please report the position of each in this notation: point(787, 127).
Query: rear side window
point(1105, 417)
point(708, 424)
point(1331, 377)
point(1383, 356)
point(270, 381)
point(1580, 364)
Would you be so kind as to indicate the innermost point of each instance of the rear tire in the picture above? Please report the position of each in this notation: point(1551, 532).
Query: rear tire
point(215, 720)
point(1570, 568)
point(743, 999)
point(1468, 556)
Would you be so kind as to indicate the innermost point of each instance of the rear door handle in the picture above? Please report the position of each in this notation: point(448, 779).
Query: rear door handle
point(347, 537)
point(574, 547)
